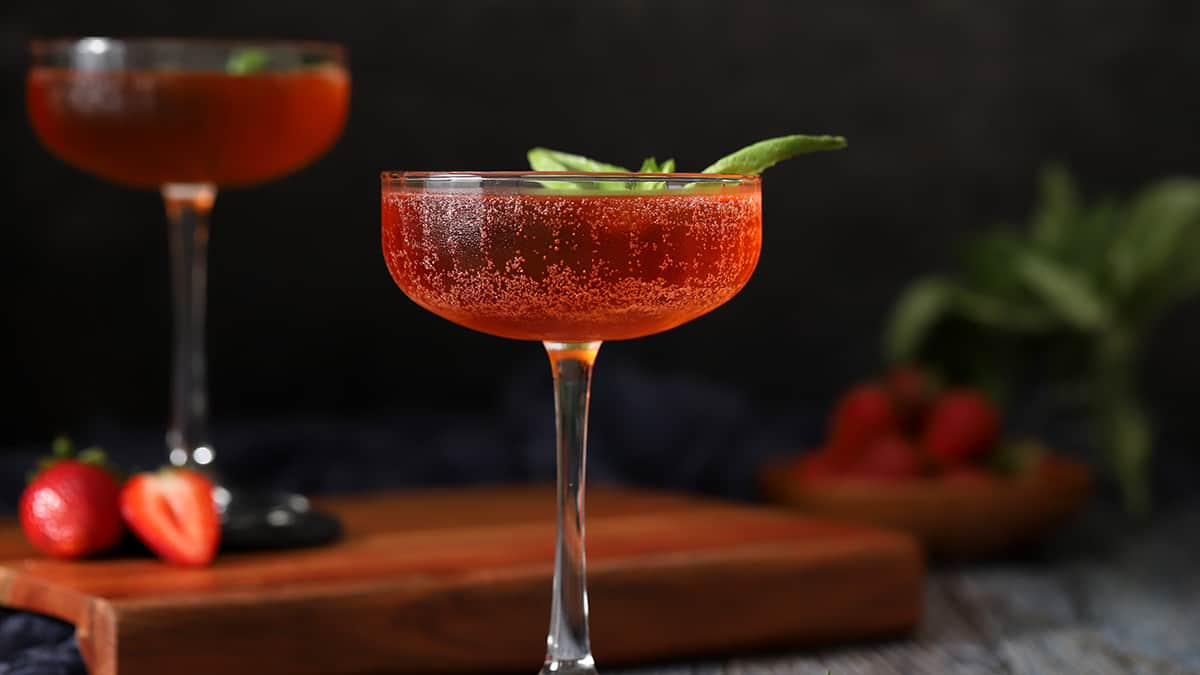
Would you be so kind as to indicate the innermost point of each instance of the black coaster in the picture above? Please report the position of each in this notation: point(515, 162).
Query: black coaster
point(255, 521)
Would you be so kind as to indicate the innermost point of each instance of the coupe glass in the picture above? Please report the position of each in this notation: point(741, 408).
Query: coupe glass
point(570, 260)
point(184, 117)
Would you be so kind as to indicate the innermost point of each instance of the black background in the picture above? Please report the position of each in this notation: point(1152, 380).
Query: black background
point(949, 106)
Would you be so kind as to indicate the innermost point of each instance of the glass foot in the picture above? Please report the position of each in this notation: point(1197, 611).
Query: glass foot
point(252, 520)
point(584, 666)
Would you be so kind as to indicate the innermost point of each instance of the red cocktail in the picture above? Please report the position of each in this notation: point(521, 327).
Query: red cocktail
point(572, 267)
point(145, 128)
point(571, 260)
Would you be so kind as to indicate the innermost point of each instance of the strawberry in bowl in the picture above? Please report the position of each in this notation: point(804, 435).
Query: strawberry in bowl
point(906, 452)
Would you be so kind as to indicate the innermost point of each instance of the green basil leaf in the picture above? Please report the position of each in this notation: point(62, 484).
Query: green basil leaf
point(541, 159)
point(1056, 212)
point(1064, 291)
point(544, 159)
point(988, 263)
point(1013, 317)
point(927, 302)
point(1087, 243)
point(649, 165)
point(919, 309)
point(1150, 247)
point(246, 61)
point(754, 159)
point(1127, 435)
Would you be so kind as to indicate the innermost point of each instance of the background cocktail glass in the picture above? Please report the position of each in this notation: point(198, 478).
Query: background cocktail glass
point(187, 116)
point(570, 260)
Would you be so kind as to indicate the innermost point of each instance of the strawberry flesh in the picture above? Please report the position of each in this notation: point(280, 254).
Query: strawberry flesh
point(173, 513)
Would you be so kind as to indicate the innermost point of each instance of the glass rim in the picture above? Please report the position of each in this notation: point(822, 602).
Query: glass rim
point(334, 50)
point(398, 177)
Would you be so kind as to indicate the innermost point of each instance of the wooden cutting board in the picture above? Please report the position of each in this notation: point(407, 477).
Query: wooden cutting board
point(444, 581)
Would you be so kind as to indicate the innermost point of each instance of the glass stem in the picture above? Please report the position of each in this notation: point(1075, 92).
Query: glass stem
point(567, 647)
point(188, 206)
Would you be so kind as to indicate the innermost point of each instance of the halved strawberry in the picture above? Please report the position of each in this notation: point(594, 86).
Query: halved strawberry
point(69, 508)
point(173, 513)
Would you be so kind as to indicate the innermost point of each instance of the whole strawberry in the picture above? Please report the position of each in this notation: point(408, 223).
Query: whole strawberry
point(890, 457)
point(912, 390)
point(814, 466)
point(70, 508)
point(862, 415)
point(963, 424)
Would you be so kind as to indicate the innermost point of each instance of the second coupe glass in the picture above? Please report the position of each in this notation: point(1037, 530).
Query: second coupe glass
point(187, 117)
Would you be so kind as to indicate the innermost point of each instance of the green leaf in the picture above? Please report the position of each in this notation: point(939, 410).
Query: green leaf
point(1128, 436)
point(1000, 314)
point(1124, 426)
point(92, 455)
point(1172, 210)
point(246, 61)
point(1057, 209)
point(1183, 286)
point(1064, 291)
point(927, 302)
point(919, 309)
point(1065, 230)
point(650, 165)
point(1014, 458)
point(62, 447)
point(989, 263)
point(1086, 244)
point(1154, 242)
point(541, 159)
point(754, 159)
point(544, 159)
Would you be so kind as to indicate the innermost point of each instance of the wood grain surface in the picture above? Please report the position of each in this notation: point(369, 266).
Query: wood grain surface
point(1108, 597)
point(445, 581)
point(954, 520)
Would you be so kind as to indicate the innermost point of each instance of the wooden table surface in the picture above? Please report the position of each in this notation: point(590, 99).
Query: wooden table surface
point(458, 580)
point(1096, 602)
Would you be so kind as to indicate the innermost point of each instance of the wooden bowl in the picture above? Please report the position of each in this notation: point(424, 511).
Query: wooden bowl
point(958, 520)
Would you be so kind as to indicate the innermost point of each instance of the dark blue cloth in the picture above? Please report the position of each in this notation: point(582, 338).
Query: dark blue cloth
point(31, 644)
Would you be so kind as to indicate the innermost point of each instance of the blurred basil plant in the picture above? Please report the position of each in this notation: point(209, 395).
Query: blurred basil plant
point(1073, 296)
